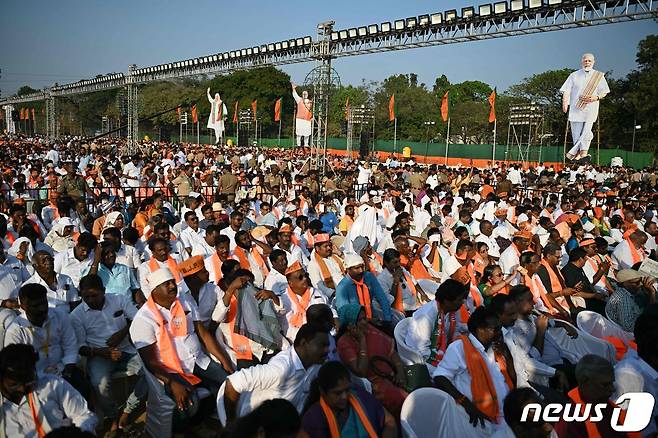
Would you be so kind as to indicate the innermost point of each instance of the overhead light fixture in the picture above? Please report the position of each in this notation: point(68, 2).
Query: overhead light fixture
point(468, 12)
point(424, 20)
point(243, 52)
point(308, 40)
point(292, 44)
point(284, 45)
point(554, 2)
point(342, 35)
point(516, 5)
point(411, 22)
point(277, 46)
point(263, 48)
point(451, 15)
point(363, 31)
point(256, 50)
point(399, 25)
point(352, 33)
point(484, 10)
point(334, 36)
point(373, 29)
point(534, 4)
point(386, 27)
point(226, 56)
point(299, 42)
point(249, 51)
point(232, 54)
point(270, 47)
point(436, 19)
point(500, 8)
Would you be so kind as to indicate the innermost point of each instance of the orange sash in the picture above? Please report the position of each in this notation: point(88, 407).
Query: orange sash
point(356, 405)
point(299, 307)
point(398, 303)
point(165, 345)
point(440, 337)
point(556, 285)
point(240, 344)
point(324, 270)
point(437, 263)
point(635, 254)
point(502, 364)
point(216, 266)
point(592, 430)
point(171, 264)
point(302, 111)
point(620, 346)
point(35, 415)
point(538, 291)
point(483, 391)
point(363, 293)
point(379, 259)
point(243, 258)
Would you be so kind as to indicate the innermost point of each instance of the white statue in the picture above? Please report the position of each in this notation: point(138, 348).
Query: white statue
point(217, 115)
point(304, 117)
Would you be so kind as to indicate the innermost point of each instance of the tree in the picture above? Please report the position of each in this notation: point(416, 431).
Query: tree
point(24, 90)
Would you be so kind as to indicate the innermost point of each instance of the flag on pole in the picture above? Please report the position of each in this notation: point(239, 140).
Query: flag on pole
point(277, 110)
point(33, 118)
point(391, 108)
point(235, 113)
point(445, 107)
point(492, 102)
point(178, 112)
point(254, 108)
point(195, 116)
point(347, 108)
point(21, 114)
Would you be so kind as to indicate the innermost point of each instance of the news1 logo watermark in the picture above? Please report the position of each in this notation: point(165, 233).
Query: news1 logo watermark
point(638, 412)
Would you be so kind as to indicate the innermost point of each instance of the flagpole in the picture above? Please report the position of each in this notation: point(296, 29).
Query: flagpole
point(395, 136)
point(493, 158)
point(278, 143)
point(447, 140)
point(198, 135)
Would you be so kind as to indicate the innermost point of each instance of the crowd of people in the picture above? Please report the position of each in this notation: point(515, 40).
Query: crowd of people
point(242, 283)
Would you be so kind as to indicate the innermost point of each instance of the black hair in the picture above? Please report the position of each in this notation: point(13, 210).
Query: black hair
point(213, 228)
point(487, 273)
point(189, 214)
point(516, 292)
point(463, 244)
point(130, 235)
point(330, 374)
point(155, 240)
point(32, 291)
point(236, 213)
point(315, 225)
point(450, 290)
point(498, 303)
point(526, 257)
point(222, 238)
point(87, 240)
point(276, 418)
point(275, 254)
point(91, 281)
point(390, 254)
point(480, 318)
point(515, 401)
point(307, 333)
point(114, 232)
point(18, 359)
point(550, 248)
point(319, 313)
point(228, 267)
point(161, 226)
point(577, 254)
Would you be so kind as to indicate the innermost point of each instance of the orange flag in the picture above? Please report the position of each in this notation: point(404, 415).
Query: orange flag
point(21, 114)
point(235, 113)
point(347, 108)
point(195, 116)
point(445, 107)
point(178, 111)
point(391, 108)
point(33, 118)
point(492, 102)
point(277, 110)
point(254, 108)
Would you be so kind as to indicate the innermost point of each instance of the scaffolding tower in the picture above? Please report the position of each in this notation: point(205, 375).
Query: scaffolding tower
point(360, 122)
point(524, 133)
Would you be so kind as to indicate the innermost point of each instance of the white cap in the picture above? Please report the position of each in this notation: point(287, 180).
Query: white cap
point(352, 260)
point(156, 278)
point(522, 218)
point(376, 200)
point(588, 226)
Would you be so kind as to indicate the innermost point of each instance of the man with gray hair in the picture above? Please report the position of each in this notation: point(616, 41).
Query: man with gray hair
point(581, 93)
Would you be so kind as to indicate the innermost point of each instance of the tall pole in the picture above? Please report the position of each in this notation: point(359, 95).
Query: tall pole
point(634, 128)
point(198, 134)
point(447, 140)
point(395, 136)
point(278, 142)
point(493, 157)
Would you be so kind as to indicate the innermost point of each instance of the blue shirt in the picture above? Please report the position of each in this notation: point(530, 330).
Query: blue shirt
point(118, 280)
point(346, 293)
point(329, 222)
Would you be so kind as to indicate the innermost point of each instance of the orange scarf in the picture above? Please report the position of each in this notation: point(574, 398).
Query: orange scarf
point(554, 275)
point(310, 239)
point(240, 344)
point(299, 307)
point(635, 253)
point(363, 293)
point(480, 264)
point(475, 295)
point(356, 405)
point(538, 291)
point(592, 430)
point(417, 269)
point(483, 391)
point(379, 259)
point(165, 345)
point(243, 258)
point(441, 338)
point(502, 364)
point(216, 266)
point(171, 264)
point(398, 302)
point(324, 270)
point(437, 264)
point(35, 415)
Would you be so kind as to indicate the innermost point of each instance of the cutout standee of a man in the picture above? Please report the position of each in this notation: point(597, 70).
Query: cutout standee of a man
point(217, 115)
point(304, 117)
point(581, 94)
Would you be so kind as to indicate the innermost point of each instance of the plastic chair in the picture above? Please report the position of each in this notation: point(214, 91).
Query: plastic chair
point(408, 355)
point(600, 327)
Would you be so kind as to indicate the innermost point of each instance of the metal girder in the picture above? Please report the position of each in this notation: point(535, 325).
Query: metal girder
point(51, 118)
point(567, 15)
point(133, 112)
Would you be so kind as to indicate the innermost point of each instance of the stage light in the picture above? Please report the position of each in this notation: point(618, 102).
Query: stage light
point(284, 45)
point(243, 52)
point(308, 40)
point(386, 27)
point(263, 48)
point(372, 29)
point(352, 33)
point(451, 15)
point(411, 23)
point(256, 50)
point(516, 5)
point(277, 46)
point(363, 32)
point(249, 51)
point(292, 44)
point(500, 8)
point(342, 34)
point(484, 10)
point(334, 36)
point(533, 4)
point(436, 19)
point(300, 42)
point(270, 47)
point(232, 54)
point(225, 56)
point(468, 12)
point(399, 25)
point(424, 20)
point(554, 2)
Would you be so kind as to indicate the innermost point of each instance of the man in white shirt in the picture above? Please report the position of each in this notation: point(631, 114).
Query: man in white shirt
point(509, 259)
point(132, 172)
point(76, 260)
point(325, 269)
point(101, 323)
point(630, 251)
point(62, 293)
point(276, 280)
point(287, 375)
point(236, 220)
point(34, 405)
point(172, 342)
point(486, 231)
point(206, 246)
point(126, 254)
point(294, 252)
point(192, 235)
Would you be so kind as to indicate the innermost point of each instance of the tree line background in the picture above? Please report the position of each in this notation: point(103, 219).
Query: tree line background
point(633, 101)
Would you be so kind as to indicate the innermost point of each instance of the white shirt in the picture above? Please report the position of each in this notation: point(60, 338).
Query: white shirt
point(315, 273)
point(286, 310)
point(66, 263)
point(622, 257)
point(134, 172)
point(574, 86)
point(207, 300)
point(55, 340)
point(94, 327)
point(128, 255)
point(144, 331)
point(228, 231)
point(191, 238)
point(509, 260)
point(203, 249)
point(276, 282)
point(633, 374)
point(453, 367)
point(494, 249)
point(283, 376)
point(385, 279)
point(295, 254)
point(60, 298)
point(58, 404)
point(527, 369)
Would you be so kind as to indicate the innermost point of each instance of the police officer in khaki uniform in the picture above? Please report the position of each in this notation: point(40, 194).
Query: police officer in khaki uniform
point(73, 184)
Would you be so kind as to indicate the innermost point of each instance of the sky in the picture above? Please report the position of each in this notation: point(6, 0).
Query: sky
point(67, 40)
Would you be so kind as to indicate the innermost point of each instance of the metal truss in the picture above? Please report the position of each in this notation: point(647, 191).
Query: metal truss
point(51, 118)
point(133, 113)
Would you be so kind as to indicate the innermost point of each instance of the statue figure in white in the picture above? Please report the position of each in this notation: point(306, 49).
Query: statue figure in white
point(304, 116)
point(217, 115)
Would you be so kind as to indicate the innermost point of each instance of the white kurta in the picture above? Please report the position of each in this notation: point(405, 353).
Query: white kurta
point(213, 123)
point(575, 85)
point(303, 127)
